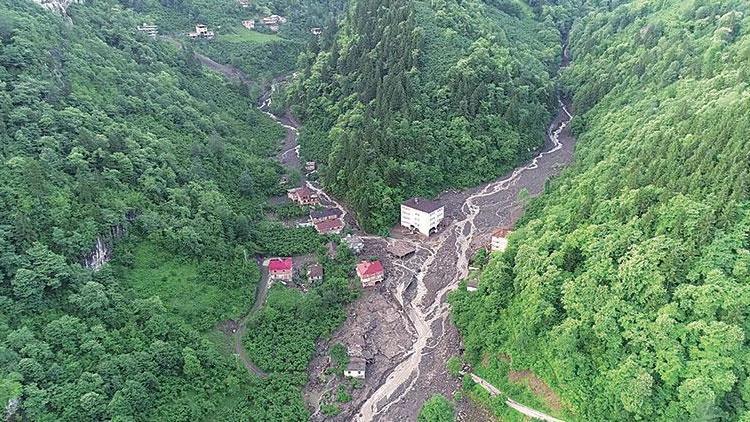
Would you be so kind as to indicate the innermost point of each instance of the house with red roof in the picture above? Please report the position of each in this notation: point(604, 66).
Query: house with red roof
point(281, 269)
point(370, 273)
point(499, 241)
point(330, 226)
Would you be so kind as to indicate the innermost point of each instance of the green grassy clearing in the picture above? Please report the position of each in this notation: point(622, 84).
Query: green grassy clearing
point(178, 282)
point(249, 36)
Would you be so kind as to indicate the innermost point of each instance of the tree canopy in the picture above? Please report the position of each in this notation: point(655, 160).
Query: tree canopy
point(625, 286)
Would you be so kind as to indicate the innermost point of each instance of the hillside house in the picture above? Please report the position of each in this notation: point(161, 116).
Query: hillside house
point(201, 32)
point(356, 368)
point(310, 166)
point(422, 215)
point(315, 273)
point(249, 24)
point(370, 273)
point(149, 29)
point(499, 241)
point(274, 20)
point(244, 3)
point(401, 249)
point(316, 31)
point(317, 216)
point(333, 226)
point(472, 284)
point(280, 269)
point(303, 196)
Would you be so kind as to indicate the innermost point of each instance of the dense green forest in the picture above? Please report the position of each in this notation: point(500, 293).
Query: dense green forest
point(104, 130)
point(413, 97)
point(627, 286)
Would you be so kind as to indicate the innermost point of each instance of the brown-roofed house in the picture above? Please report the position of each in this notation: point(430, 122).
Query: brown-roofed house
point(303, 196)
point(499, 240)
point(330, 226)
point(356, 368)
point(316, 216)
point(315, 273)
point(401, 249)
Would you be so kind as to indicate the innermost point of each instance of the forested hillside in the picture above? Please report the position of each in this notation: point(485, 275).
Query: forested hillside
point(102, 127)
point(260, 52)
point(413, 97)
point(627, 286)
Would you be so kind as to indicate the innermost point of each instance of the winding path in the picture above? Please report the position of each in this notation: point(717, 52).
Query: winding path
point(442, 264)
point(446, 264)
point(494, 391)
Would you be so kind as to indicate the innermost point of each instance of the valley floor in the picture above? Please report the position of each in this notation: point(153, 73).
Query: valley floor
point(404, 324)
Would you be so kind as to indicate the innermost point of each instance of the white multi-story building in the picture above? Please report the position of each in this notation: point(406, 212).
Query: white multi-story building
point(422, 215)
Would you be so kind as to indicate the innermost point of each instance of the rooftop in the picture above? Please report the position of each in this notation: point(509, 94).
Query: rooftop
point(369, 268)
point(501, 232)
point(401, 249)
point(326, 212)
point(280, 264)
point(356, 364)
point(424, 205)
point(329, 225)
point(315, 270)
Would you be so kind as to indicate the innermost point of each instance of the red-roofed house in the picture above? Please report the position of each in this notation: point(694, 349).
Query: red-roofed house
point(281, 269)
point(330, 226)
point(499, 240)
point(303, 196)
point(370, 273)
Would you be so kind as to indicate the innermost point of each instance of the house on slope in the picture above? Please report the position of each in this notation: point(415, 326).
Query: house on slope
point(422, 215)
point(303, 196)
point(356, 368)
point(281, 269)
point(149, 29)
point(370, 273)
point(201, 32)
point(317, 216)
point(249, 24)
point(499, 240)
point(333, 226)
point(315, 273)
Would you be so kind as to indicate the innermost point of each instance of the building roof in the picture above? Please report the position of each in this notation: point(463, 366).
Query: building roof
point(401, 249)
point(325, 212)
point(329, 225)
point(356, 364)
point(315, 271)
point(501, 232)
point(280, 264)
point(369, 268)
point(304, 192)
point(424, 205)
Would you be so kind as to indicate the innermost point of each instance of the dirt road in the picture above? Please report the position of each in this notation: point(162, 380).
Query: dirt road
point(533, 413)
point(404, 324)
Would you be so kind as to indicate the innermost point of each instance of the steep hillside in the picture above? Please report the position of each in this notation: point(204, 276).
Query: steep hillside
point(627, 287)
point(106, 131)
point(414, 97)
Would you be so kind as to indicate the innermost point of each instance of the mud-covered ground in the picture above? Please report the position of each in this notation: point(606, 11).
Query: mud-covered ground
point(403, 325)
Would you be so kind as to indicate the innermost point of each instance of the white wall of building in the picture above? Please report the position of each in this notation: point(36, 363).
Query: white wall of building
point(421, 220)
